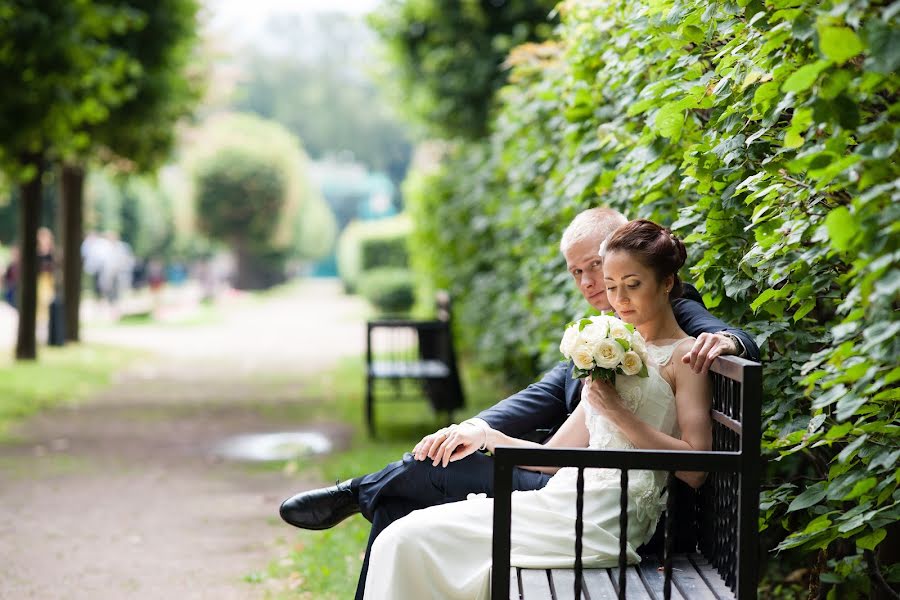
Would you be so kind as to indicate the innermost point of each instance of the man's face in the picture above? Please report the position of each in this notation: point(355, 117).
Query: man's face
point(586, 268)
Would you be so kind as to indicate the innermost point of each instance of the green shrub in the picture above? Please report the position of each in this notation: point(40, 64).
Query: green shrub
point(365, 245)
point(766, 134)
point(391, 290)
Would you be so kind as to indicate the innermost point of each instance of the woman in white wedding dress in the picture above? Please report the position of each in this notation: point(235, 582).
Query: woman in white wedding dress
point(445, 551)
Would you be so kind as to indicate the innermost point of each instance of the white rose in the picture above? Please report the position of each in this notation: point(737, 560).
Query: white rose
point(638, 345)
point(570, 338)
point(582, 357)
point(619, 331)
point(631, 363)
point(593, 333)
point(608, 354)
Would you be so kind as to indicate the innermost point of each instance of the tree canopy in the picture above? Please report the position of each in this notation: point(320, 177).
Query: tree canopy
point(448, 56)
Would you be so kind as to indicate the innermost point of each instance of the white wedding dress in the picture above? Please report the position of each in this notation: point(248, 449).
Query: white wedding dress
point(445, 551)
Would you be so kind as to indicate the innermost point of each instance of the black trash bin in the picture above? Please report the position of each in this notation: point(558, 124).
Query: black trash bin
point(56, 334)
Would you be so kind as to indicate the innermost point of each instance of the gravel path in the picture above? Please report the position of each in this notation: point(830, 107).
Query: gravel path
point(124, 497)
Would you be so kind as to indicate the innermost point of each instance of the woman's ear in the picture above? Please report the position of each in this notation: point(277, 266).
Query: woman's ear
point(668, 283)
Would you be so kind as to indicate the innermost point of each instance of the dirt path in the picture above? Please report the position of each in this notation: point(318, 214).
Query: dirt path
point(124, 497)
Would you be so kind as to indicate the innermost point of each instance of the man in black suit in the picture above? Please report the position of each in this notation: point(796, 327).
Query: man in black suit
point(434, 473)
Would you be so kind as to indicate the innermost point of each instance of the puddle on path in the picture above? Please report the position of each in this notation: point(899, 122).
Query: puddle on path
point(273, 446)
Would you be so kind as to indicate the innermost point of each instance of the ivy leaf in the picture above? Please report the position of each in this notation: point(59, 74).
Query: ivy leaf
point(861, 488)
point(852, 447)
point(848, 405)
point(839, 44)
point(762, 299)
point(669, 120)
point(842, 228)
point(884, 47)
point(804, 77)
point(810, 496)
point(869, 541)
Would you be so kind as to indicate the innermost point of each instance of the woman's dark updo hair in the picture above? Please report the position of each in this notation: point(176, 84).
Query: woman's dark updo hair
point(653, 246)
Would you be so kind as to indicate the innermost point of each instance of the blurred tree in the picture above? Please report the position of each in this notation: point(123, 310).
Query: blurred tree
point(448, 56)
point(252, 192)
point(138, 134)
point(60, 74)
point(307, 78)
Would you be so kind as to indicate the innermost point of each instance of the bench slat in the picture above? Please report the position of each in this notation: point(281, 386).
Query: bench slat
point(598, 584)
point(421, 369)
point(655, 581)
point(689, 581)
point(711, 577)
point(634, 586)
point(562, 584)
point(535, 585)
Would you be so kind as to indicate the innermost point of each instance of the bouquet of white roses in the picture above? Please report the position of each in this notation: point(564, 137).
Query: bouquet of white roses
point(602, 346)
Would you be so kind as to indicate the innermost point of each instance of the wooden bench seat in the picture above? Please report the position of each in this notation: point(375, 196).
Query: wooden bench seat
point(693, 578)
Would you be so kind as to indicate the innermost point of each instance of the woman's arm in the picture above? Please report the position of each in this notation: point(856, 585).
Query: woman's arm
point(571, 434)
point(692, 401)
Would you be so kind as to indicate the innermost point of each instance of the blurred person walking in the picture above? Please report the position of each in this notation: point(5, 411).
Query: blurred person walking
point(11, 277)
point(46, 287)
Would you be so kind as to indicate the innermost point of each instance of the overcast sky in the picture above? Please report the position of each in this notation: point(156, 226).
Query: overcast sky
point(244, 18)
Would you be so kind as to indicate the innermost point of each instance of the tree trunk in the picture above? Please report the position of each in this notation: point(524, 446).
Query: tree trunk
point(29, 221)
point(72, 231)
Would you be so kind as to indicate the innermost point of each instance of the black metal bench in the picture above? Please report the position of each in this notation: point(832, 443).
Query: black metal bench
point(407, 357)
point(724, 566)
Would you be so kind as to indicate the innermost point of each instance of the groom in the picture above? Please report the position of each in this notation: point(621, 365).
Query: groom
point(425, 477)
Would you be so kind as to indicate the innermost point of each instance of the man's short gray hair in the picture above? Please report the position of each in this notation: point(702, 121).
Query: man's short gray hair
point(600, 221)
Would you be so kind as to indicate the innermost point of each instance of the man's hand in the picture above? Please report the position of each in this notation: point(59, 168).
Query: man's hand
point(707, 348)
point(449, 444)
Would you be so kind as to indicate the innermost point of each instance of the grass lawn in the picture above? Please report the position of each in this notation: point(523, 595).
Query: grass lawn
point(326, 564)
point(61, 375)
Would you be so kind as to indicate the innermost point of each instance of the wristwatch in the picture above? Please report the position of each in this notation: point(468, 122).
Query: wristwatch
point(738, 345)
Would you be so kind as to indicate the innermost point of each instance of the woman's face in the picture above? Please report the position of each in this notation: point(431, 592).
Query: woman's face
point(633, 290)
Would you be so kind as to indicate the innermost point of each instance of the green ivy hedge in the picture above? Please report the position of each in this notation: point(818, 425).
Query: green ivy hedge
point(765, 133)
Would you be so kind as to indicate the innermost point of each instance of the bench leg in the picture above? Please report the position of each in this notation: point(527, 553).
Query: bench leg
point(370, 412)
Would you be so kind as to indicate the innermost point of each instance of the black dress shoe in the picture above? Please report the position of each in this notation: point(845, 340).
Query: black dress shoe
point(322, 508)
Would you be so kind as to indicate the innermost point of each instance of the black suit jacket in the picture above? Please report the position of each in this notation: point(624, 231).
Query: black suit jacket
point(546, 403)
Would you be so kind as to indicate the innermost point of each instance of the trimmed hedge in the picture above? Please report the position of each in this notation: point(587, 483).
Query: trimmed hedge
point(391, 290)
point(766, 134)
point(365, 245)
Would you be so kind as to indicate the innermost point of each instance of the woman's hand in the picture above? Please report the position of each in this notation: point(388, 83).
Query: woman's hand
point(601, 395)
point(450, 443)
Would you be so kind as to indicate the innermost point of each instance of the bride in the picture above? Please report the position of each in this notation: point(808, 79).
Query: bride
point(445, 551)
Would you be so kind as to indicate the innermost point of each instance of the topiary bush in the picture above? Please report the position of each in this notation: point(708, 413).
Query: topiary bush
point(251, 193)
point(391, 290)
point(765, 133)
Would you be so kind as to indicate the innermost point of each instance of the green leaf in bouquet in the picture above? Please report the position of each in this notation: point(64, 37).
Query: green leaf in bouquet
point(629, 327)
point(643, 372)
point(583, 323)
point(608, 375)
point(624, 343)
